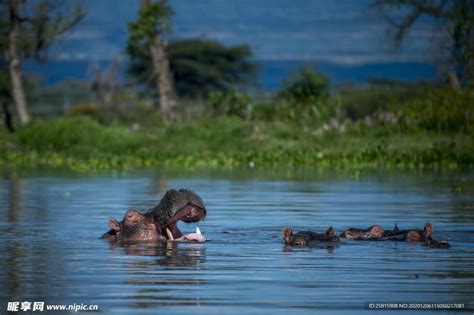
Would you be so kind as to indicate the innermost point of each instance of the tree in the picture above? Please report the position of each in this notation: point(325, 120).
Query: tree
point(26, 36)
point(456, 15)
point(202, 66)
point(146, 35)
point(306, 87)
point(104, 84)
point(5, 95)
point(305, 93)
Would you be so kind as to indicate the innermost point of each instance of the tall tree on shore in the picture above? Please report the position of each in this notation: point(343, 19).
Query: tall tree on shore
point(5, 94)
point(146, 33)
point(29, 35)
point(455, 15)
point(201, 66)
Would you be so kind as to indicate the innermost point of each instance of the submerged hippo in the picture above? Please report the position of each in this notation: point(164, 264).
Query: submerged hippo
point(160, 222)
point(418, 235)
point(437, 244)
point(306, 238)
point(411, 235)
point(371, 233)
point(414, 235)
point(394, 232)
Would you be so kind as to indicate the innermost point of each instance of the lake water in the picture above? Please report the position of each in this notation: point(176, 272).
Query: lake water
point(50, 251)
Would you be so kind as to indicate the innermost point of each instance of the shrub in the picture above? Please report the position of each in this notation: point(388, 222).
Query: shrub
point(77, 134)
point(305, 96)
point(442, 110)
point(305, 87)
point(88, 109)
point(122, 111)
point(232, 103)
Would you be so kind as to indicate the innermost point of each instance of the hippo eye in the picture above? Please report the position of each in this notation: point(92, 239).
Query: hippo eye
point(130, 214)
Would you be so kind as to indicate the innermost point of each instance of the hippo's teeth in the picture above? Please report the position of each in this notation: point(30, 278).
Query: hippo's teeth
point(198, 231)
point(170, 235)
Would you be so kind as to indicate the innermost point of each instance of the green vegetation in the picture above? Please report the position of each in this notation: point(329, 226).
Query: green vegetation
point(305, 87)
point(192, 103)
point(27, 31)
point(199, 66)
point(431, 128)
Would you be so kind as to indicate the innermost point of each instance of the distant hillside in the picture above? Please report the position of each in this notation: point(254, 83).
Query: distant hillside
point(271, 73)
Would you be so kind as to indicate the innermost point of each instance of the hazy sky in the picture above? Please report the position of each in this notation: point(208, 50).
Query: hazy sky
point(342, 32)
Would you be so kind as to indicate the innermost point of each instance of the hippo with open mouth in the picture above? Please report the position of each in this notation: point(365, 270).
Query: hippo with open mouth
point(160, 222)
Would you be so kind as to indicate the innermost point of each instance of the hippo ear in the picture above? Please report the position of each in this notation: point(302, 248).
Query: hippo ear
point(428, 230)
point(287, 235)
point(287, 232)
point(114, 225)
point(330, 231)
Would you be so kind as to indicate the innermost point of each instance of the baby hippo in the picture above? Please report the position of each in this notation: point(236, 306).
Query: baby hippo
point(371, 233)
point(306, 238)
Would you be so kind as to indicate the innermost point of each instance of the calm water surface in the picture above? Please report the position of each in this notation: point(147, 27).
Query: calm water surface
point(50, 251)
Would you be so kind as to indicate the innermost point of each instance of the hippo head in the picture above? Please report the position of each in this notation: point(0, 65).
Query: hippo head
point(135, 226)
point(294, 240)
point(304, 238)
point(177, 205)
point(331, 235)
point(375, 231)
point(416, 236)
point(372, 232)
point(437, 244)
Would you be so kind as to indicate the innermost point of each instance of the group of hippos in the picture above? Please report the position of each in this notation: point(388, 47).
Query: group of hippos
point(374, 233)
point(160, 224)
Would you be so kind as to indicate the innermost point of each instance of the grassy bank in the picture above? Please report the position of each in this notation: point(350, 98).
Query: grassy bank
point(80, 143)
point(409, 127)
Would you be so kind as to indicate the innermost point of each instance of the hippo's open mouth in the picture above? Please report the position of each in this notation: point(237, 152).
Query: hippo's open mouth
point(187, 214)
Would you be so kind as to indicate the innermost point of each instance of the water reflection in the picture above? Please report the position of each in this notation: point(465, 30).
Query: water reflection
point(162, 274)
point(173, 254)
point(49, 246)
point(13, 250)
point(329, 247)
point(14, 194)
